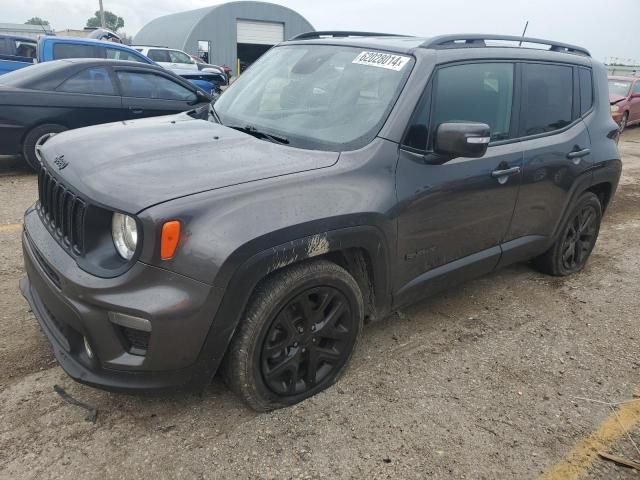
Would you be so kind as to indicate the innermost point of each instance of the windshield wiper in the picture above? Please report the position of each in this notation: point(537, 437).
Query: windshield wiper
point(214, 114)
point(251, 130)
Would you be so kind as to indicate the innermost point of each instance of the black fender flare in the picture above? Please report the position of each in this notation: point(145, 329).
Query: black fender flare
point(248, 275)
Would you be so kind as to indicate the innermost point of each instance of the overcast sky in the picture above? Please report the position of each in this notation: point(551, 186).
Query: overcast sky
point(608, 28)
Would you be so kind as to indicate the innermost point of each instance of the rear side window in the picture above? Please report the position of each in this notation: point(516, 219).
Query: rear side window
point(547, 98)
point(151, 85)
point(117, 54)
point(68, 50)
point(96, 81)
point(24, 48)
point(159, 56)
point(586, 90)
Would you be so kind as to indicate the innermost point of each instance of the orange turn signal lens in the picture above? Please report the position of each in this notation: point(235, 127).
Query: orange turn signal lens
point(170, 239)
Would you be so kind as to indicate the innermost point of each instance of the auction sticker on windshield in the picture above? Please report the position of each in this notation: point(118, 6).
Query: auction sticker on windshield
point(382, 60)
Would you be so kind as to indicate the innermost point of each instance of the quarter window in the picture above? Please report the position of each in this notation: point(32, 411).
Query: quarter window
point(548, 98)
point(95, 81)
point(586, 90)
point(151, 85)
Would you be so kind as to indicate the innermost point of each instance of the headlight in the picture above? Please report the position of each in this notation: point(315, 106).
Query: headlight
point(125, 235)
point(615, 108)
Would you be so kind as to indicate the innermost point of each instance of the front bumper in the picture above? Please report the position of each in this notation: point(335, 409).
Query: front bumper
point(72, 305)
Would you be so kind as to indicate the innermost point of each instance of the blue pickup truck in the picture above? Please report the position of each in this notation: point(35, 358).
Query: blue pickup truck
point(16, 52)
point(21, 52)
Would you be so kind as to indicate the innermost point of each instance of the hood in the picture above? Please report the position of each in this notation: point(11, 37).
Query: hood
point(130, 166)
point(613, 98)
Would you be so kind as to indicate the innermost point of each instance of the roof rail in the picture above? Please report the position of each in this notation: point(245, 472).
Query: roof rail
point(476, 40)
point(340, 34)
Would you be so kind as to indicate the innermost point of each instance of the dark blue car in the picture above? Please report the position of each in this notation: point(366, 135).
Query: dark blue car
point(22, 52)
point(39, 102)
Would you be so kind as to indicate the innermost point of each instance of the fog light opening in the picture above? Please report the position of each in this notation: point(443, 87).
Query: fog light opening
point(87, 348)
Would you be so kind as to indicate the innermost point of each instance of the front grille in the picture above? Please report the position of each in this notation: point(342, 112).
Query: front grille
point(62, 210)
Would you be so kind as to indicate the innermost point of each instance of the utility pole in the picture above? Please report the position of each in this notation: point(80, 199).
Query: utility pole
point(102, 22)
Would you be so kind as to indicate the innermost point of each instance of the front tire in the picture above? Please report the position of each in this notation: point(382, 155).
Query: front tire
point(297, 335)
point(35, 139)
point(570, 252)
point(623, 122)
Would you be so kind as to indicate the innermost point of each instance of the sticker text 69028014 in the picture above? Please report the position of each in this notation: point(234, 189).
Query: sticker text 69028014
point(382, 60)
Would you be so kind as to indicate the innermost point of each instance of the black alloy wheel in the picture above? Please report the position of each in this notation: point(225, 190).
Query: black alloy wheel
point(575, 241)
point(580, 238)
point(308, 341)
point(296, 336)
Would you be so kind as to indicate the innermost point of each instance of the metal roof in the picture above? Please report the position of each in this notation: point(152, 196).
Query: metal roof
point(19, 27)
point(175, 27)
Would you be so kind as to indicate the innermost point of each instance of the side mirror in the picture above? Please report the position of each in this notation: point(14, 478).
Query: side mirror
point(458, 139)
point(635, 95)
point(201, 97)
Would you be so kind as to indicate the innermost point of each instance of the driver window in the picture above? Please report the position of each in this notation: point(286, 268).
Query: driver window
point(477, 92)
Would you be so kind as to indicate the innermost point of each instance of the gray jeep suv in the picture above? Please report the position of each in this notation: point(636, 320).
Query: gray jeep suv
point(343, 176)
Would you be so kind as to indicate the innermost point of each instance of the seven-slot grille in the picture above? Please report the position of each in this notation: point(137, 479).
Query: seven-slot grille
point(62, 210)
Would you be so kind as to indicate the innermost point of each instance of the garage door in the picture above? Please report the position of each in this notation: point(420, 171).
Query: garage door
point(260, 33)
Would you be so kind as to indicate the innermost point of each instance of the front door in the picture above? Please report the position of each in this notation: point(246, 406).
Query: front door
point(453, 217)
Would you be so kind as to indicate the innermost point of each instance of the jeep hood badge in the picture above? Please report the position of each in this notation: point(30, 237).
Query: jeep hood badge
point(60, 162)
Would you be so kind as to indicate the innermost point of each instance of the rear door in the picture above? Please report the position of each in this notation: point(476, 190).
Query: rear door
point(556, 147)
point(146, 93)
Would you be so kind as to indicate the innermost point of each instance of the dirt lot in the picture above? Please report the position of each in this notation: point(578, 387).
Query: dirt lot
point(480, 383)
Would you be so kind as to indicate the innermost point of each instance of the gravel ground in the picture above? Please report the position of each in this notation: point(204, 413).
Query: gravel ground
point(479, 383)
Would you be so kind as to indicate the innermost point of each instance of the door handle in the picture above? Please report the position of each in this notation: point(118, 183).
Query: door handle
point(506, 172)
point(136, 111)
point(578, 153)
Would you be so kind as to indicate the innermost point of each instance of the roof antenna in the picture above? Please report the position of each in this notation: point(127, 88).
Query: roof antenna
point(523, 32)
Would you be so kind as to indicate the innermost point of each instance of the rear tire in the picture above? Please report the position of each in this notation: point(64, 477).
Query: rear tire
point(35, 139)
point(571, 250)
point(296, 337)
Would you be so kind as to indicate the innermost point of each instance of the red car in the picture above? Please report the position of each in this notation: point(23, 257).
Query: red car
point(624, 96)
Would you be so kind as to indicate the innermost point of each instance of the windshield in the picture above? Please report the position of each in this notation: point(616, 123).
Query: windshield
point(619, 87)
point(317, 96)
